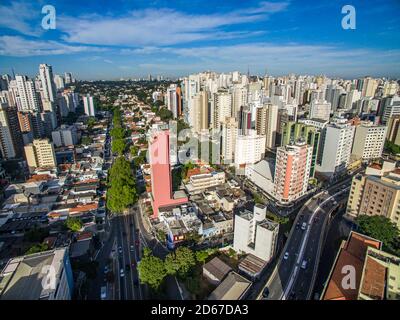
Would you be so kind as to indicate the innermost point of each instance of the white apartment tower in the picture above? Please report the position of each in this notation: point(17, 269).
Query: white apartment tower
point(369, 141)
point(337, 141)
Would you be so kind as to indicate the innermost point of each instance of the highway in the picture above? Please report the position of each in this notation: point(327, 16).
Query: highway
point(289, 280)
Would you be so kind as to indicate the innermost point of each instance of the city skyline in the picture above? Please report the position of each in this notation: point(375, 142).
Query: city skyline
point(94, 40)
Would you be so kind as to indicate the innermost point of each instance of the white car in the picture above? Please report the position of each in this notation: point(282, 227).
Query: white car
point(122, 273)
point(103, 294)
point(286, 255)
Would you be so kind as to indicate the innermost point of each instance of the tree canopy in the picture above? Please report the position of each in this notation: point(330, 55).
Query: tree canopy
point(38, 248)
point(151, 270)
point(381, 228)
point(180, 262)
point(122, 191)
point(118, 146)
point(73, 224)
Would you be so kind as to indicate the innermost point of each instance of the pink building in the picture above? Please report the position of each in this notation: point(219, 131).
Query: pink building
point(292, 171)
point(161, 180)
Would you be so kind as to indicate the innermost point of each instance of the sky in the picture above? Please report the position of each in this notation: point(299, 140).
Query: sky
point(112, 39)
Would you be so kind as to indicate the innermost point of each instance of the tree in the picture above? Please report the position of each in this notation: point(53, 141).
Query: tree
point(180, 262)
point(118, 145)
point(134, 151)
point(73, 224)
point(165, 114)
point(117, 133)
point(122, 186)
point(38, 248)
point(381, 228)
point(91, 122)
point(151, 270)
point(392, 148)
point(86, 140)
point(202, 255)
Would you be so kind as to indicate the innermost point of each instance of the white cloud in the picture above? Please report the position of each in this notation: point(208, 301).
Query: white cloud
point(18, 16)
point(20, 47)
point(151, 27)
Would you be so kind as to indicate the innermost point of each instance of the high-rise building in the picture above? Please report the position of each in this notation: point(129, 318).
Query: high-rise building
point(255, 234)
point(390, 107)
point(245, 120)
point(174, 100)
point(7, 147)
point(393, 132)
point(222, 107)
point(65, 136)
point(249, 149)
point(369, 141)
point(292, 171)
point(320, 110)
point(295, 131)
point(375, 195)
point(27, 98)
point(199, 115)
point(88, 106)
point(229, 136)
point(336, 144)
point(271, 126)
point(68, 78)
point(40, 154)
point(59, 82)
point(161, 180)
point(47, 81)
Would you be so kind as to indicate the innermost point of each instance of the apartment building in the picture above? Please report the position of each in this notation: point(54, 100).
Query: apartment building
point(40, 154)
point(369, 141)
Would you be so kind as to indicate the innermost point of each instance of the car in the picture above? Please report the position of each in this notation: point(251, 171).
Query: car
point(137, 242)
point(133, 264)
point(286, 255)
point(265, 292)
point(303, 226)
point(121, 273)
point(120, 249)
point(297, 225)
point(304, 264)
point(132, 248)
point(105, 269)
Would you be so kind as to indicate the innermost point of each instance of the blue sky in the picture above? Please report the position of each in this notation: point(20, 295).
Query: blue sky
point(103, 39)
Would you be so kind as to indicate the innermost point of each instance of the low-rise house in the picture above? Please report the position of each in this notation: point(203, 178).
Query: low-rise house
point(216, 270)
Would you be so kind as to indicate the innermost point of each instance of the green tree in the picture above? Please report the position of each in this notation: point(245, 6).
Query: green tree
point(202, 255)
point(38, 248)
point(117, 133)
point(392, 148)
point(91, 122)
point(180, 262)
point(122, 186)
point(86, 140)
point(73, 224)
point(151, 270)
point(134, 151)
point(165, 114)
point(36, 234)
point(118, 145)
point(381, 228)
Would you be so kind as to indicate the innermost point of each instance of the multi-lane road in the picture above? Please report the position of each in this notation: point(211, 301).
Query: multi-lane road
point(294, 274)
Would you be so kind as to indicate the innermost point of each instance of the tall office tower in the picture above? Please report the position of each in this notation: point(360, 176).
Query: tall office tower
point(351, 98)
point(222, 107)
point(292, 171)
point(7, 146)
point(47, 81)
point(198, 115)
point(68, 77)
point(88, 105)
point(229, 136)
point(161, 180)
point(27, 96)
point(59, 82)
point(249, 149)
point(267, 85)
point(336, 143)
point(295, 131)
point(320, 110)
point(271, 126)
point(393, 132)
point(369, 141)
point(40, 154)
point(299, 90)
point(15, 129)
point(244, 120)
point(369, 87)
point(31, 126)
point(335, 98)
point(390, 107)
point(255, 234)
